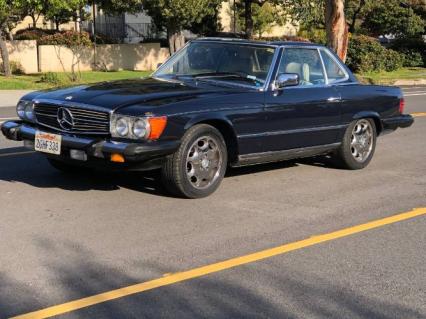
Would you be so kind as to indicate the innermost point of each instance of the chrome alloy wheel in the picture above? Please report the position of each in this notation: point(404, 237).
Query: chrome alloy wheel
point(204, 162)
point(362, 140)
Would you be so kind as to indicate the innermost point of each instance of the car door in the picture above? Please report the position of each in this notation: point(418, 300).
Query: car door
point(305, 115)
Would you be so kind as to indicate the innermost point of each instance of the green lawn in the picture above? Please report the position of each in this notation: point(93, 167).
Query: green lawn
point(391, 77)
point(34, 81)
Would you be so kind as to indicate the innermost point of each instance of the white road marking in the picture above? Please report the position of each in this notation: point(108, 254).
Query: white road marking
point(412, 92)
point(415, 94)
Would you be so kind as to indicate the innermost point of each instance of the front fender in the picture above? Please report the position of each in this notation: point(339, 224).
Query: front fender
point(207, 117)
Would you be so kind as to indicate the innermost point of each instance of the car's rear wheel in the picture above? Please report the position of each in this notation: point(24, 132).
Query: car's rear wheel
point(197, 168)
point(358, 145)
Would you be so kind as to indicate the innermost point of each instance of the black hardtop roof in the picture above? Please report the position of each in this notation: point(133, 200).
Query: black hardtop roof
point(253, 42)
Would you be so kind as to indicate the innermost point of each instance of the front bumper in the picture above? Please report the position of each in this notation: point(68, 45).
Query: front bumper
point(401, 121)
point(95, 147)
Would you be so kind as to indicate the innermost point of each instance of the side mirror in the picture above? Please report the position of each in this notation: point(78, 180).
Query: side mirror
point(286, 79)
point(159, 64)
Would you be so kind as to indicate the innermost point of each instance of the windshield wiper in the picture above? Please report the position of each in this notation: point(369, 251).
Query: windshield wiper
point(238, 74)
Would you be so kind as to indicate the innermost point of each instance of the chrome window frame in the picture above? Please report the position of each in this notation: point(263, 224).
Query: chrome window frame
point(306, 47)
point(339, 64)
point(271, 85)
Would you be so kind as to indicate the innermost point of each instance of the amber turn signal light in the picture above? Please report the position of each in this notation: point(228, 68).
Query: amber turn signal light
point(117, 158)
point(157, 124)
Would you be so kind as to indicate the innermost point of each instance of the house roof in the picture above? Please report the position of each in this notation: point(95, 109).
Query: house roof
point(269, 43)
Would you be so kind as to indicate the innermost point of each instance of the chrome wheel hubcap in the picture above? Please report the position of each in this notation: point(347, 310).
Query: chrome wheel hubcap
point(362, 139)
point(204, 162)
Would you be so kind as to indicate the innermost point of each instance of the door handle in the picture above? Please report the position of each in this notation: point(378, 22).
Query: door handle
point(334, 99)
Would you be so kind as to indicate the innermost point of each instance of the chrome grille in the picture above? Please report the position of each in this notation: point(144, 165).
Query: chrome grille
point(85, 121)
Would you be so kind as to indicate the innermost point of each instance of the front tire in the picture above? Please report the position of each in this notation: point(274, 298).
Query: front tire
point(197, 168)
point(358, 145)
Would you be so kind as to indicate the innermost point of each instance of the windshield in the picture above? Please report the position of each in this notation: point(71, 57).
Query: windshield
point(215, 61)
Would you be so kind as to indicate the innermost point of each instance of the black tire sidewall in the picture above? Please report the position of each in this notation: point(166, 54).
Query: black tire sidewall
point(345, 149)
point(191, 136)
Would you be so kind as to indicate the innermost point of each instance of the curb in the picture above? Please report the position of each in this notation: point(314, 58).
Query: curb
point(409, 82)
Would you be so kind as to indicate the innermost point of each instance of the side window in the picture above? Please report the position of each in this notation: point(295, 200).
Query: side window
point(333, 69)
point(304, 62)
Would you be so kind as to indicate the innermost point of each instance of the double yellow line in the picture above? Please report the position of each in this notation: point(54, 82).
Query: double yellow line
point(217, 267)
point(418, 114)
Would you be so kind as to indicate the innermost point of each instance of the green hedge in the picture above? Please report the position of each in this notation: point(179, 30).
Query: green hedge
point(413, 50)
point(68, 39)
point(366, 54)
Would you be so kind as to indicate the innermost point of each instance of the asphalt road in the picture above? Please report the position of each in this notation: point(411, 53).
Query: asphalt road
point(67, 237)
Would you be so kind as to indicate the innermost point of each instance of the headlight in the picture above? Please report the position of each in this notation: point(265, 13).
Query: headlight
point(122, 127)
point(29, 112)
point(25, 110)
point(137, 128)
point(141, 128)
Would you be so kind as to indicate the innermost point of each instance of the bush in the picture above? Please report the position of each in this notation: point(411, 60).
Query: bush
point(316, 35)
point(32, 34)
point(15, 68)
point(392, 60)
point(51, 78)
point(68, 38)
point(413, 59)
point(164, 43)
point(366, 54)
point(413, 49)
point(103, 39)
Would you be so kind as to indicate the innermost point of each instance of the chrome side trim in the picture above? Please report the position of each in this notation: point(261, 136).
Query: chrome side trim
point(295, 131)
point(276, 156)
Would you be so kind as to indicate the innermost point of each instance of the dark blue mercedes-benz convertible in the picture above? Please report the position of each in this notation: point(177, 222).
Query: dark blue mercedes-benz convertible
point(216, 103)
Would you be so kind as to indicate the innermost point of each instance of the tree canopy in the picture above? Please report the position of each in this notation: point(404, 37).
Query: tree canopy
point(177, 15)
point(119, 6)
point(392, 17)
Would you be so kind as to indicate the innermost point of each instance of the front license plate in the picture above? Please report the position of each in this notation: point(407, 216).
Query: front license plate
point(48, 143)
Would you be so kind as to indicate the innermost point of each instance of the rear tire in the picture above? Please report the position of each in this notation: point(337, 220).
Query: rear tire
point(197, 168)
point(358, 145)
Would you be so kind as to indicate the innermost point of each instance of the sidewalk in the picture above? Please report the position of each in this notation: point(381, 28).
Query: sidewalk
point(10, 98)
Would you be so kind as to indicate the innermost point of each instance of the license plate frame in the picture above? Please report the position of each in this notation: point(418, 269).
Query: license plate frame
point(48, 143)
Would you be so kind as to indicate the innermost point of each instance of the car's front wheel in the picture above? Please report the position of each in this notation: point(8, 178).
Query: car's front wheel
point(358, 145)
point(197, 168)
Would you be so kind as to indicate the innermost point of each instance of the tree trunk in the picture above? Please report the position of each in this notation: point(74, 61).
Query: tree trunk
point(9, 34)
point(34, 21)
point(5, 56)
point(176, 41)
point(248, 16)
point(352, 26)
point(336, 27)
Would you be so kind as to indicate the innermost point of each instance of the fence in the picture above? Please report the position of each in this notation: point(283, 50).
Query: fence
point(50, 58)
point(123, 32)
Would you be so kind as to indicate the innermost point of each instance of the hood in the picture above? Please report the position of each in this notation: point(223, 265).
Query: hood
point(114, 95)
